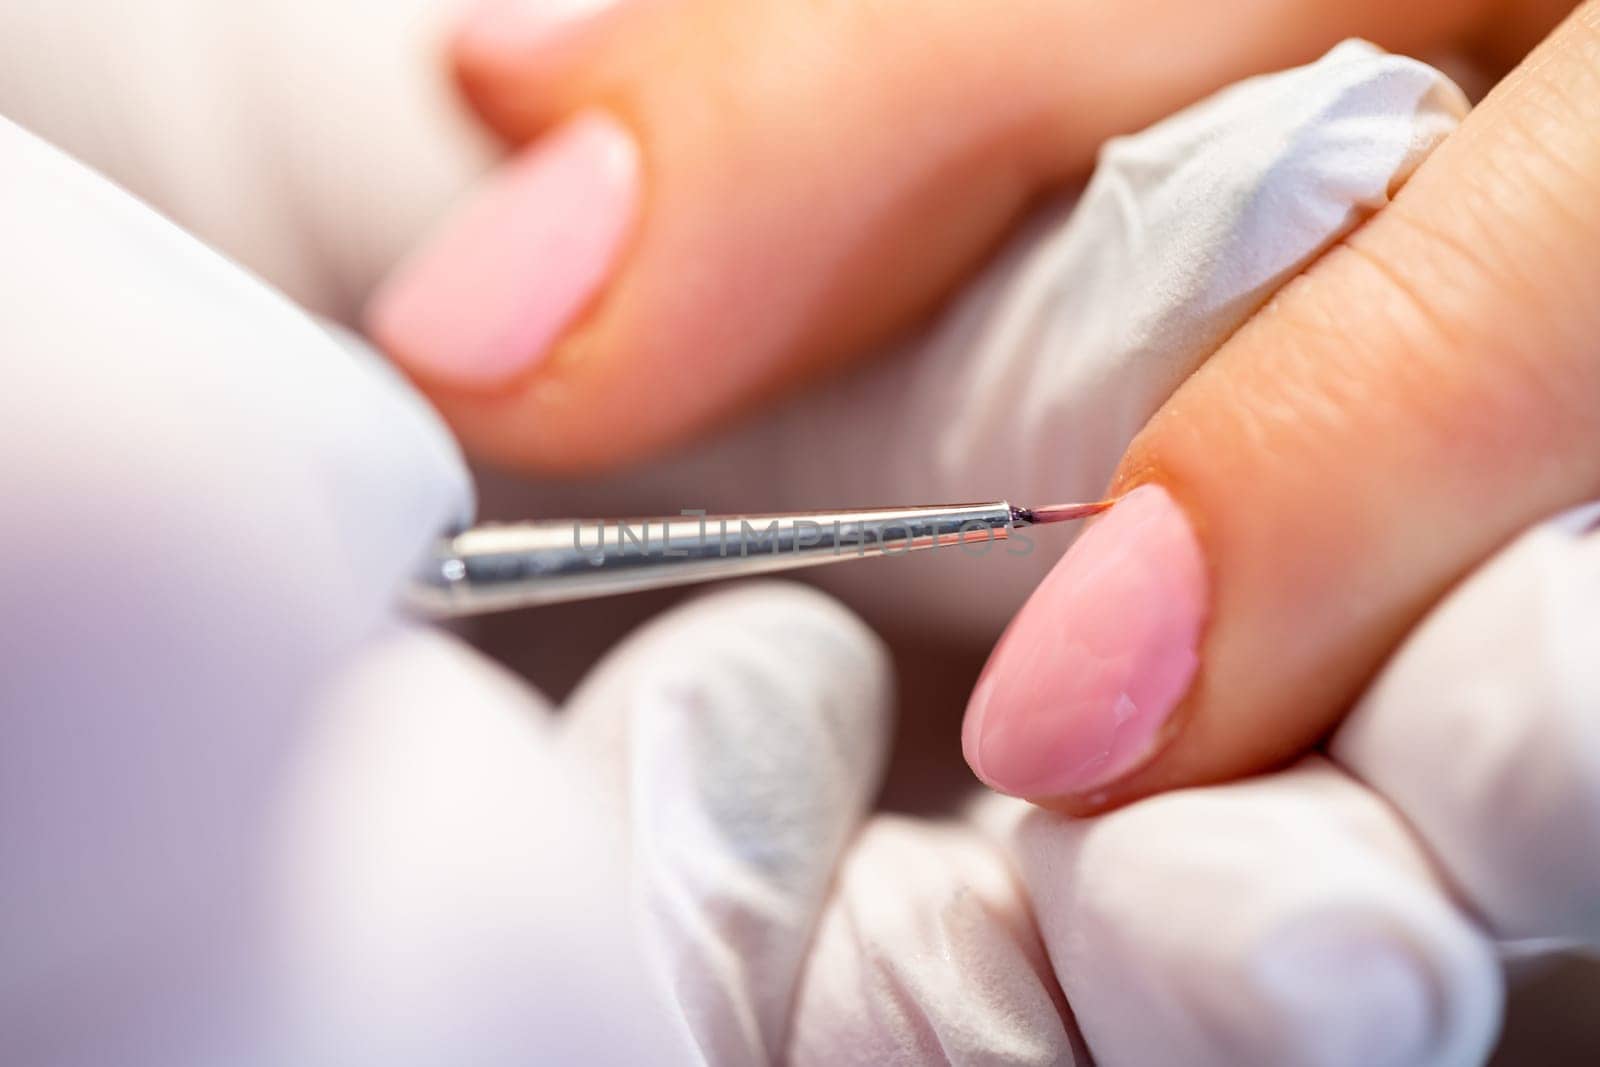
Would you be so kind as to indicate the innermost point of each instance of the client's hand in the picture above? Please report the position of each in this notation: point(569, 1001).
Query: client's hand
point(1478, 733)
point(1034, 381)
point(714, 198)
point(1395, 416)
point(251, 816)
point(177, 683)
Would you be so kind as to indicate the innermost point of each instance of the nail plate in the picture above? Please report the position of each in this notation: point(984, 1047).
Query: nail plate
point(482, 301)
point(1077, 691)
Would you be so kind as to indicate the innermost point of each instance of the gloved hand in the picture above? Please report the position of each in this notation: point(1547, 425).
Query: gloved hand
point(209, 507)
point(320, 863)
point(1304, 896)
point(248, 814)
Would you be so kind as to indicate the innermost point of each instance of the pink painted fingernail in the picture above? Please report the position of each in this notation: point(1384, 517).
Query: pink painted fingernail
point(1076, 693)
point(512, 33)
point(484, 298)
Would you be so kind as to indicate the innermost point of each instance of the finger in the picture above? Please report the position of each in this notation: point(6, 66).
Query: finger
point(1427, 390)
point(442, 889)
point(193, 540)
point(1307, 929)
point(690, 238)
point(738, 741)
point(166, 487)
point(1036, 379)
point(927, 953)
point(1482, 732)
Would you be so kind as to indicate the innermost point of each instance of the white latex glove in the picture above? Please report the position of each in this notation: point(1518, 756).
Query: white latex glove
point(1310, 916)
point(209, 508)
point(355, 909)
point(1292, 919)
point(704, 781)
point(1295, 919)
point(247, 815)
point(1484, 733)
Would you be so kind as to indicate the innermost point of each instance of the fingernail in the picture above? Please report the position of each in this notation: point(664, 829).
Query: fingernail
point(481, 302)
point(1076, 693)
point(516, 32)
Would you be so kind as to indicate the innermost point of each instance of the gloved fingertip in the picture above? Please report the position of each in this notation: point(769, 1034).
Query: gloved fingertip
point(1359, 995)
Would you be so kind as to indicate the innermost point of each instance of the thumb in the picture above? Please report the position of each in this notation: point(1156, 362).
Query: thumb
point(1427, 390)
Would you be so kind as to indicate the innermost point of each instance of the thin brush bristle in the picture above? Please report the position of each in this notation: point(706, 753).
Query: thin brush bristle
point(1061, 512)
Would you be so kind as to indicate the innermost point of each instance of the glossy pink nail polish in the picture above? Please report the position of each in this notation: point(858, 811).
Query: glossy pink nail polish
point(482, 300)
point(1076, 693)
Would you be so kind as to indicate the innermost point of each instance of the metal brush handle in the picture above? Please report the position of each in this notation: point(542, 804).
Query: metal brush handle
point(496, 568)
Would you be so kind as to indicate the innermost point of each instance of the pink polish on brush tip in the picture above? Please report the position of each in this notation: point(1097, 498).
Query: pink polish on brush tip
point(1077, 691)
point(485, 297)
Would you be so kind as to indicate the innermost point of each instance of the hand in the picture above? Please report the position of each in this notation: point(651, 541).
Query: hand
point(1035, 380)
point(1322, 872)
point(1422, 395)
point(346, 128)
point(252, 816)
point(736, 743)
point(279, 684)
point(713, 199)
point(1504, 832)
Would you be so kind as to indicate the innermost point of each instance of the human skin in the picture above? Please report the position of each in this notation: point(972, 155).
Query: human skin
point(812, 179)
point(1422, 394)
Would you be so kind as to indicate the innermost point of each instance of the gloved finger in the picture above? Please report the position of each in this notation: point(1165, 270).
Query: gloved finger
point(1289, 919)
point(203, 452)
point(441, 889)
point(1034, 381)
point(927, 953)
point(1416, 399)
point(207, 504)
point(737, 742)
point(1483, 732)
point(686, 238)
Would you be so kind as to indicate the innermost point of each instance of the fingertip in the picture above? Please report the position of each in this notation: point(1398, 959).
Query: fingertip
point(1359, 991)
point(1309, 929)
point(1082, 689)
point(483, 300)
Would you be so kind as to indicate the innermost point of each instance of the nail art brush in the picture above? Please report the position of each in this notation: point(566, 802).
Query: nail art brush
point(498, 567)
